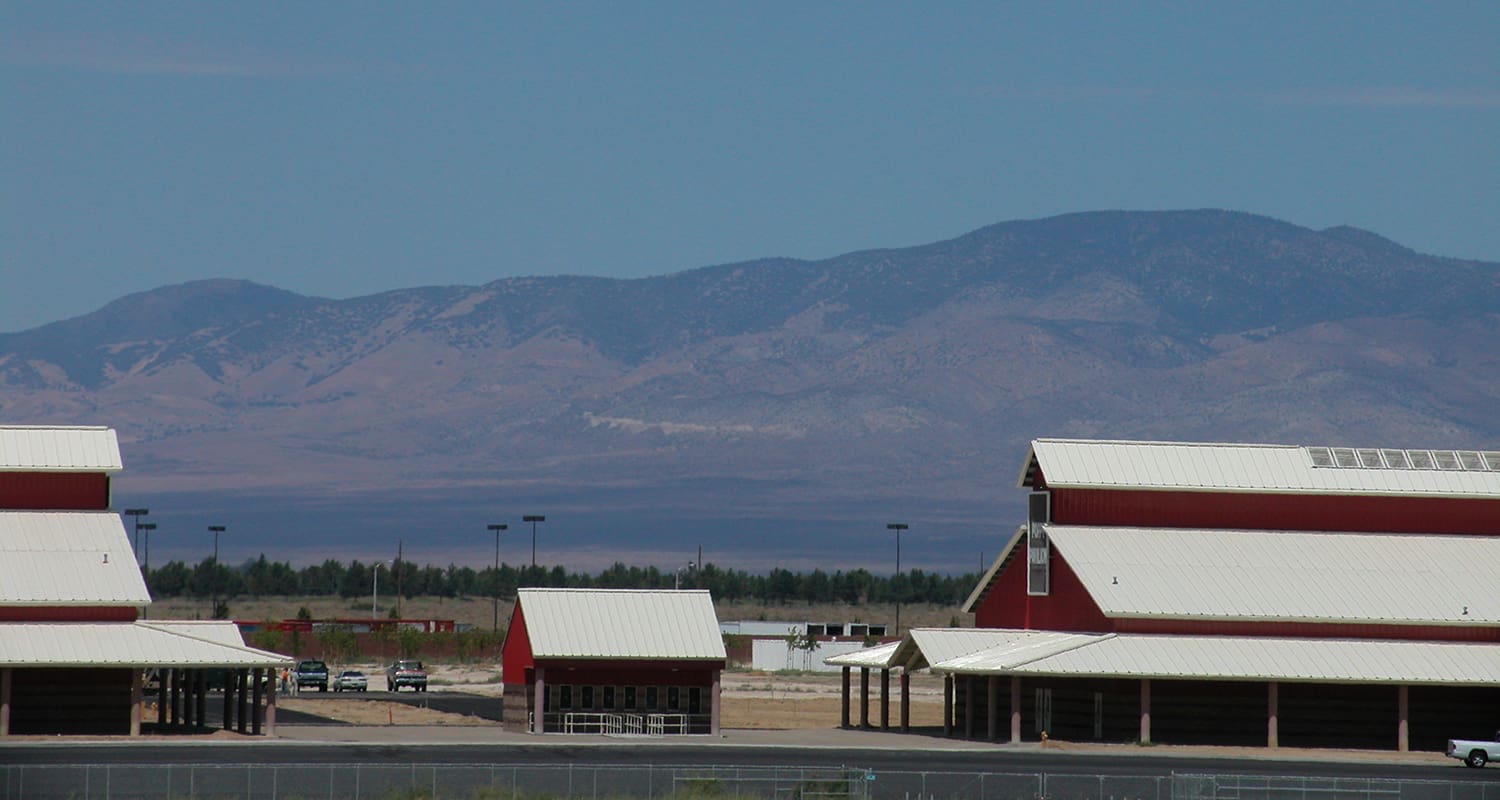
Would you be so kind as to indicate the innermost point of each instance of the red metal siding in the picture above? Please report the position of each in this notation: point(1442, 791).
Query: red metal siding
point(67, 614)
point(1067, 608)
point(515, 654)
point(1292, 512)
point(631, 673)
point(54, 491)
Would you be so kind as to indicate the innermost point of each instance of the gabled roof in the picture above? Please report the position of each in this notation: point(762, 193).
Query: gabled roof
point(67, 558)
point(1285, 576)
point(621, 624)
point(1261, 468)
point(878, 657)
point(923, 647)
point(58, 448)
point(987, 580)
point(1270, 659)
point(138, 644)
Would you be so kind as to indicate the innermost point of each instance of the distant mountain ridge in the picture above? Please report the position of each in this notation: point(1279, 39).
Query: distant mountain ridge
point(781, 389)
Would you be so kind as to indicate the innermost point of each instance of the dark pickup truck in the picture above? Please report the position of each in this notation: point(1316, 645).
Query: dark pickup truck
point(311, 673)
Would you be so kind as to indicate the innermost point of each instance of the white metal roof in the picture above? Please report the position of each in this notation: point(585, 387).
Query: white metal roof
point(45, 448)
point(1019, 648)
point(218, 631)
point(1262, 468)
point(621, 624)
point(67, 558)
point(925, 646)
point(1254, 658)
point(878, 657)
point(139, 644)
point(1286, 576)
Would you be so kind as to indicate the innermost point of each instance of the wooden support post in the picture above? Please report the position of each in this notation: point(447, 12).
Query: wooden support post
point(1403, 717)
point(241, 718)
point(1015, 709)
point(257, 691)
point(713, 721)
point(137, 679)
point(190, 698)
point(885, 698)
point(1273, 715)
point(228, 719)
point(200, 691)
point(5, 681)
point(844, 706)
point(947, 705)
point(992, 707)
point(163, 679)
point(969, 704)
point(864, 697)
point(539, 716)
point(1145, 711)
point(175, 711)
point(271, 707)
point(905, 701)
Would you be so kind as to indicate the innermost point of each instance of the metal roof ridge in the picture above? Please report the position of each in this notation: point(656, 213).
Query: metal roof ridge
point(154, 624)
point(8, 427)
point(1164, 443)
point(1087, 639)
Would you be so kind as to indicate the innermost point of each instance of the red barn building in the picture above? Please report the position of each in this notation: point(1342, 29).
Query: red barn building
point(74, 657)
point(612, 661)
point(1238, 594)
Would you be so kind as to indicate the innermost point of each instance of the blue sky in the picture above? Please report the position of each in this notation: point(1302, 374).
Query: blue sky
point(344, 149)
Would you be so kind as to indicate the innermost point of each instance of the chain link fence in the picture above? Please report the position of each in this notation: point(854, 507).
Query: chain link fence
point(603, 782)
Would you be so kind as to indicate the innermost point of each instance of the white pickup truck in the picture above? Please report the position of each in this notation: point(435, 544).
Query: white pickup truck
point(1474, 752)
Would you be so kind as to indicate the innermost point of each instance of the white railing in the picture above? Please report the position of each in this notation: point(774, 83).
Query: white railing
point(663, 724)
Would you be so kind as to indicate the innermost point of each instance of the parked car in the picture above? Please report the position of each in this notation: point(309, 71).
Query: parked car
point(351, 680)
point(311, 673)
point(405, 673)
point(1474, 753)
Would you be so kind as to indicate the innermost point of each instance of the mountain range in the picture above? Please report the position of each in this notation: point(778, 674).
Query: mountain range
point(776, 411)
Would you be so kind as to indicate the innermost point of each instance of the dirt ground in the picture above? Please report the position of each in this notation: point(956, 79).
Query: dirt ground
point(750, 700)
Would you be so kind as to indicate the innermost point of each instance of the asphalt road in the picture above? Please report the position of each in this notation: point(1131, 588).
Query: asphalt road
point(561, 752)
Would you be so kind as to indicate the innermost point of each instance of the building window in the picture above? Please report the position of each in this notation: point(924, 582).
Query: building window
point(652, 698)
point(695, 700)
point(588, 697)
point(629, 698)
point(609, 698)
point(565, 698)
point(674, 698)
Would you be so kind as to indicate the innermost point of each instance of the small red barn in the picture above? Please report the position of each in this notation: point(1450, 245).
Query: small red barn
point(612, 661)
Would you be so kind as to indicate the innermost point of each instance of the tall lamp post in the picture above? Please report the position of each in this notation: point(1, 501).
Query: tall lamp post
point(148, 527)
point(497, 527)
point(213, 574)
point(375, 596)
point(533, 519)
point(137, 513)
point(898, 527)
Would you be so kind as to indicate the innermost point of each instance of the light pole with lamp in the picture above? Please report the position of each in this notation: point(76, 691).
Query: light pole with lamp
point(375, 595)
point(677, 576)
point(137, 513)
point(213, 573)
point(497, 527)
point(148, 527)
point(898, 527)
point(533, 519)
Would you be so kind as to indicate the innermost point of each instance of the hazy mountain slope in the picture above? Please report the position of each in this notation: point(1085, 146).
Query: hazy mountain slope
point(809, 396)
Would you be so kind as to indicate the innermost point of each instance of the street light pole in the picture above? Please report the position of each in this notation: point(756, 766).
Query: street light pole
point(137, 513)
point(533, 519)
point(148, 527)
point(375, 596)
point(216, 529)
point(497, 527)
point(898, 527)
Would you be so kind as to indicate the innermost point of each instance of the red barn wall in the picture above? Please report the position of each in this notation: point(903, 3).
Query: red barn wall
point(630, 673)
point(515, 654)
point(68, 614)
point(54, 491)
point(1292, 512)
point(1067, 608)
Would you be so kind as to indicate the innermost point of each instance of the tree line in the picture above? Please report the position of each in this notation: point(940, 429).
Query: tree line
point(262, 577)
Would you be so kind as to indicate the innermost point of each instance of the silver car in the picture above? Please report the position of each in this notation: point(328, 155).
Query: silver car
point(351, 680)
